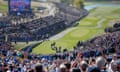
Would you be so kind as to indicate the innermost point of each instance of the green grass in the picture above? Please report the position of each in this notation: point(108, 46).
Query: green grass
point(89, 21)
point(84, 31)
point(117, 11)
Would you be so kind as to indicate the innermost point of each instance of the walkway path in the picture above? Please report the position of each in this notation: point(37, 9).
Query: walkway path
point(60, 35)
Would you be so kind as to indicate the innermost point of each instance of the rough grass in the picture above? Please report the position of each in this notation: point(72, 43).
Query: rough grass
point(117, 11)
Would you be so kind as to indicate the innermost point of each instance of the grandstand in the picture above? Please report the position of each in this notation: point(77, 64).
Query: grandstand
point(27, 27)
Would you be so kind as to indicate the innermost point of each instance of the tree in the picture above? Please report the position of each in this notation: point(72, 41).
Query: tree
point(79, 4)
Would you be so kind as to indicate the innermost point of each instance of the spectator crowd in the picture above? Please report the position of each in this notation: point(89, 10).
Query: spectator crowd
point(99, 54)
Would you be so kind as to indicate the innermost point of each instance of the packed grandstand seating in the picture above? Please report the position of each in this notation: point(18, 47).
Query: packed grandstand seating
point(29, 30)
point(70, 10)
point(19, 28)
point(70, 13)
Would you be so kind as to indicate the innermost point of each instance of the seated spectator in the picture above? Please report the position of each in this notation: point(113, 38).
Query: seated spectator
point(39, 68)
point(75, 70)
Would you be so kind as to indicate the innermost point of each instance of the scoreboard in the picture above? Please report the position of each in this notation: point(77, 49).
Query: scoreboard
point(19, 6)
